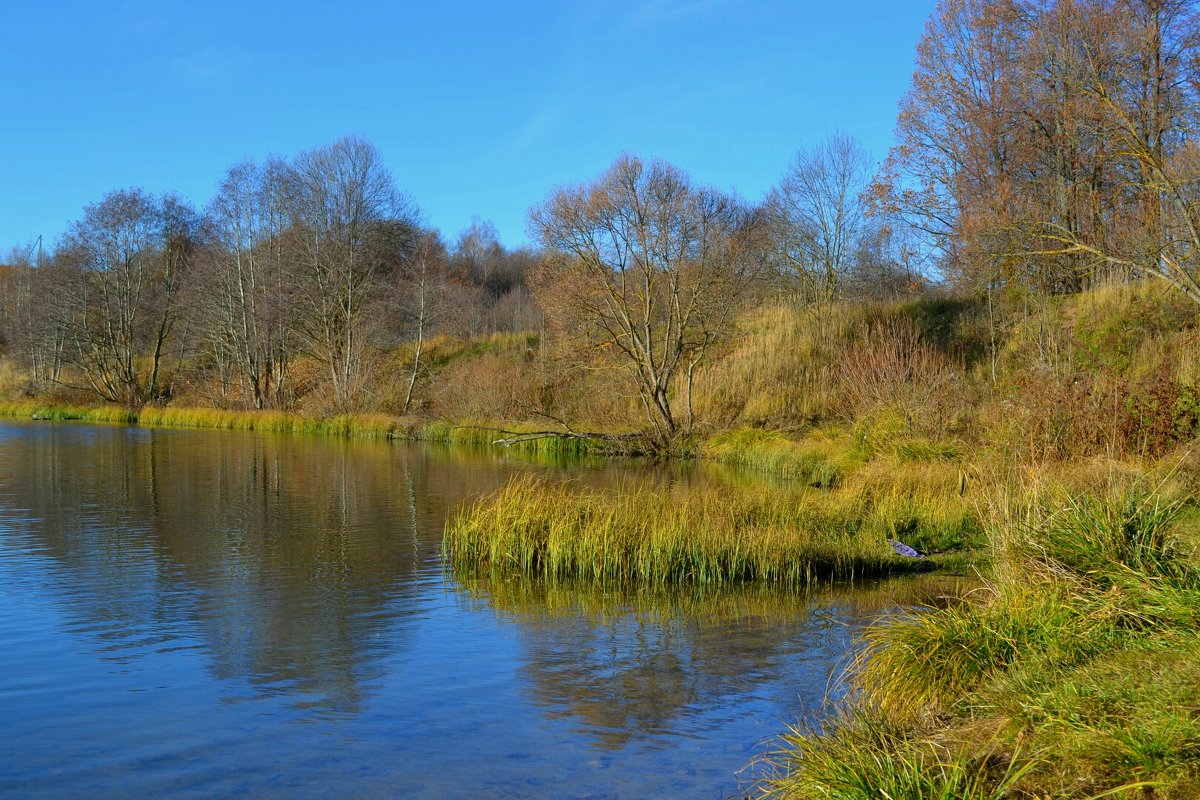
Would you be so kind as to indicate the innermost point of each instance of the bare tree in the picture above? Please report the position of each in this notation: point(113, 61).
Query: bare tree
point(1138, 68)
point(119, 289)
point(477, 251)
point(248, 296)
point(960, 135)
point(649, 265)
point(347, 211)
point(28, 332)
point(425, 302)
point(816, 216)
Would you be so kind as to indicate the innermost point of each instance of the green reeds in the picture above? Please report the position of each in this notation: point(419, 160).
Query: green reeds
point(864, 756)
point(710, 536)
point(63, 413)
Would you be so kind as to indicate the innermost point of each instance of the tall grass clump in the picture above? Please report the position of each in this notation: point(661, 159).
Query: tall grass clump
point(864, 756)
point(1126, 539)
point(679, 535)
point(1081, 649)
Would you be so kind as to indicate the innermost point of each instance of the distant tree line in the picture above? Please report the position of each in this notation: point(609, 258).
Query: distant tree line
point(300, 273)
point(1043, 146)
point(319, 258)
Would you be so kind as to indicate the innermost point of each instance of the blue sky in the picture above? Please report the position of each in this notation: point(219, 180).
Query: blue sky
point(479, 109)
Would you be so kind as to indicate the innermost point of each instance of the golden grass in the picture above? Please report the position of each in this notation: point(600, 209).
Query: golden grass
point(778, 371)
point(680, 535)
point(347, 425)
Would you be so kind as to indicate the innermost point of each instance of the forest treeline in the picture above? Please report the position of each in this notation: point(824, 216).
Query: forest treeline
point(1043, 148)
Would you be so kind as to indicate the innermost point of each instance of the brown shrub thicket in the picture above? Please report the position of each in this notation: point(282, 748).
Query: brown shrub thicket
point(888, 365)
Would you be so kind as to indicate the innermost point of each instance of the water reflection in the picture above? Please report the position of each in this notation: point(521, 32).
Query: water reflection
point(280, 563)
point(655, 664)
point(204, 613)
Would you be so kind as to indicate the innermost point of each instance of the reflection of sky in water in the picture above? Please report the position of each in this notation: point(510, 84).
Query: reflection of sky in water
point(202, 613)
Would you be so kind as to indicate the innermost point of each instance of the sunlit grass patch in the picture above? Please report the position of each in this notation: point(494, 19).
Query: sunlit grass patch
point(863, 755)
point(712, 535)
point(817, 460)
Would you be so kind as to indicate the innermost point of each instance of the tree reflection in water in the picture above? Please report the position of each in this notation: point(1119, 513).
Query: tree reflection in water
point(210, 613)
point(644, 665)
point(284, 563)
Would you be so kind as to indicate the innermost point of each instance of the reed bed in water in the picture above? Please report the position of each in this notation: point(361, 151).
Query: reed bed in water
point(60, 413)
point(640, 535)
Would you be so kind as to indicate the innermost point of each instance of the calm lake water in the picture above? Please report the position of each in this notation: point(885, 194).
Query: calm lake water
point(198, 614)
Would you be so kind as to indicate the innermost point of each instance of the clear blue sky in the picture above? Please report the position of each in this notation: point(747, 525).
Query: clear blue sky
point(479, 108)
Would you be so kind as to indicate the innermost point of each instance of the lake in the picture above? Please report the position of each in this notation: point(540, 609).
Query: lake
point(202, 613)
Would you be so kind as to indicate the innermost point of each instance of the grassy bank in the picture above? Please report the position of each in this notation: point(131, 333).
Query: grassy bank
point(1075, 673)
point(710, 536)
point(480, 433)
point(365, 425)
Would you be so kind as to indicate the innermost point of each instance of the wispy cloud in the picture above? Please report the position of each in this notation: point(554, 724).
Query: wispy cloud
point(560, 95)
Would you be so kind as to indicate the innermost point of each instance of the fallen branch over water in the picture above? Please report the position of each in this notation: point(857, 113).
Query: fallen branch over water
point(624, 443)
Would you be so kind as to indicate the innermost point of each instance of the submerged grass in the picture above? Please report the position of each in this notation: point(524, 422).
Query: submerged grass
point(1075, 670)
point(710, 536)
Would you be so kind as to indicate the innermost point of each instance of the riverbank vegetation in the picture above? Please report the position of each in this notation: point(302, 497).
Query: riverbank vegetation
point(1070, 673)
point(950, 350)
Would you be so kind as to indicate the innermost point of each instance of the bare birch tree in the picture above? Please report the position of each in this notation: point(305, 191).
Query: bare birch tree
point(249, 292)
point(425, 302)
